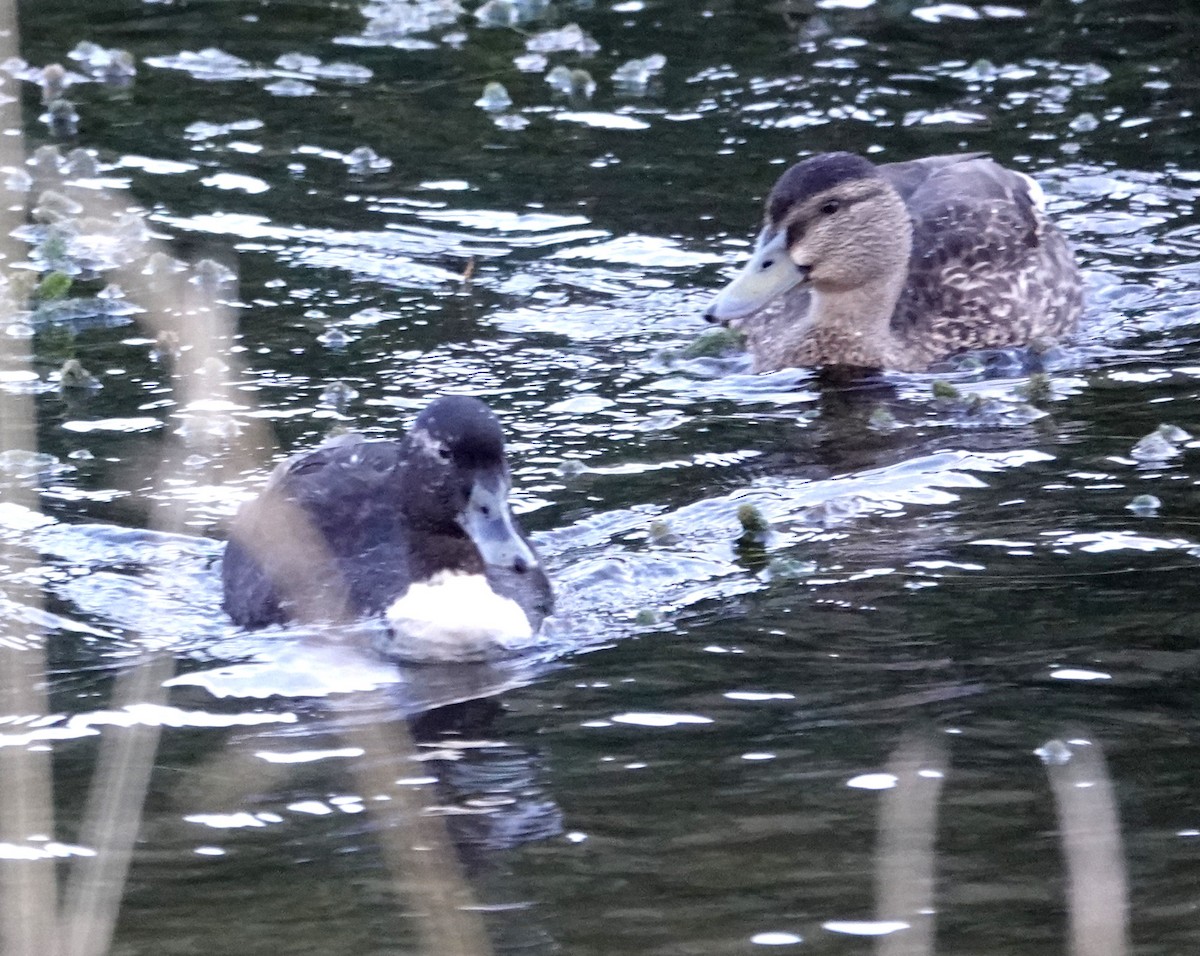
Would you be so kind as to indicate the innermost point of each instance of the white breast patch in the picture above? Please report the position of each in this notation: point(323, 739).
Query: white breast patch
point(457, 617)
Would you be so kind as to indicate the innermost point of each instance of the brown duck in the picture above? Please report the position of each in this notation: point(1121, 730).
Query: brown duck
point(899, 265)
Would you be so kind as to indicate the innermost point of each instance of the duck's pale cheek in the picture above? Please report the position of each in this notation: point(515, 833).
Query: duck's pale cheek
point(456, 617)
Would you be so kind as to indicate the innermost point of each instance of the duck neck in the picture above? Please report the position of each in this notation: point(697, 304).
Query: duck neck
point(853, 326)
point(431, 552)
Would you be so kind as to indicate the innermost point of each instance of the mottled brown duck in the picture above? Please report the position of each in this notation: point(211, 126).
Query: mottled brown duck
point(899, 265)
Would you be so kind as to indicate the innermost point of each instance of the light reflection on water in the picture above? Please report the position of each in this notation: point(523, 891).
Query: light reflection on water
point(963, 568)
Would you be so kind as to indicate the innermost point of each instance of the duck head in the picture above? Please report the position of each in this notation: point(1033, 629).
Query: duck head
point(455, 464)
point(832, 222)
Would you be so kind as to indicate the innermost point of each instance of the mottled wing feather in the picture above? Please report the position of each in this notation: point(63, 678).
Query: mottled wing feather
point(987, 269)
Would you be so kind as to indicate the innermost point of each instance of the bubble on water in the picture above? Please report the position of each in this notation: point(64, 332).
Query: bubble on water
point(338, 394)
point(945, 11)
point(209, 64)
point(570, 38)
point(982, 71)
point(300, 62)
point(363, 160)
point(498, 13)
point(81, 164)
point(335, 338)
point(1144, 506)
point(290, 88)
point(637, 74)
point(1155, 447)
point(74, 376)
point(108, 65)
point(212, 276)
point(395, 21)
point(159, 264)
point(1092, 74)
point(17, 180)
point(495, 98)
point(511, 122)
point(531, 62)
point(47, 163)
point(312, 66)
point(865, 927)
point(574, 83)
point(22, 465)
point(1054, 753)
point(53, 206)
point(62, 118)
point(1173, 433)
point(54, 82)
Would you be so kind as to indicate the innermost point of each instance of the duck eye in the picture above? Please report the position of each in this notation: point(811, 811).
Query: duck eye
point(443, 453)
point(830, 207)
point(767, 263)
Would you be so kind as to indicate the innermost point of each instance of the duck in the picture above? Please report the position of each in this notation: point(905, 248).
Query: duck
point(418, 530)
point(900, 265)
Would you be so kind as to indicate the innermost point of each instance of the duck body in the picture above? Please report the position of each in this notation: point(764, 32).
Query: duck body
point(419, 530)
point(900, 265)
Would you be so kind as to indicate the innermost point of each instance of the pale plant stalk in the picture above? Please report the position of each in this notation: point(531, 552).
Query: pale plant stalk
point(1090, 830)
point(27, 887)
point(905, 854)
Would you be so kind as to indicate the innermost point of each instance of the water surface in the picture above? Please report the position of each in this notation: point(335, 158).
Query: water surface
point(691, 765)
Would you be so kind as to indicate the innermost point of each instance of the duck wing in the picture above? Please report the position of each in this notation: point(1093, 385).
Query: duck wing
point(906, 178)
point(988, 269)
point(326, 526)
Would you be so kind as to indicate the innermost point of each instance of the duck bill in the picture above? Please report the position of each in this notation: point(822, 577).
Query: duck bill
point(769, 273)
point(488, 521)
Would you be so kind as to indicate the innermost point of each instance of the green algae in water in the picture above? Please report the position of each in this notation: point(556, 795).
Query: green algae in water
point(751, 544)
point(882, 419)
point(1037, 389)
point(53, 287)
point(943, 389)
point(74, 376)
point(717, 343)
point(752, 520)
point(660, 534)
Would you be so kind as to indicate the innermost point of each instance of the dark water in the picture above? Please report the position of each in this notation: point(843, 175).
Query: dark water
point(690, 767)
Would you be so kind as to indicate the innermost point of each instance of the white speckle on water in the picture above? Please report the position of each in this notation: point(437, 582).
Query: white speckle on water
point(225, 821)
point(307, 756)
point(864, 927)
point(645, 719)
point(125, 425)
point(873, 781)
point(1072, 673)
point(776, 939)
point(602, 120)
point(314, 807)
point(236, 182)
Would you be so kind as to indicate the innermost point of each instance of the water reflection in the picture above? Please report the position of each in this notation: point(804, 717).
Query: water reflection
point(672, 774)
